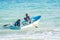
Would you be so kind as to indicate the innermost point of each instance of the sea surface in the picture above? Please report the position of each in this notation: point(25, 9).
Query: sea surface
point(49, 25)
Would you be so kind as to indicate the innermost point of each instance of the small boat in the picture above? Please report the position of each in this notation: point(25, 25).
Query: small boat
point(34, 22)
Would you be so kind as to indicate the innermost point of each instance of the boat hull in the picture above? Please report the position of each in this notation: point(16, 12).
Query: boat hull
point(35, 22)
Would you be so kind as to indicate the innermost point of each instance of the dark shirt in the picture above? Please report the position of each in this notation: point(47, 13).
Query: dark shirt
point(17, 23)
point(28, 17)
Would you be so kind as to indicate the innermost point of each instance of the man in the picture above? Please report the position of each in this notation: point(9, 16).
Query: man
point(27, 18)
point(17, 23)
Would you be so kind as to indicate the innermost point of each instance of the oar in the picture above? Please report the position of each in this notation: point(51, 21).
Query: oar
point(35, 26)
point(6, 24)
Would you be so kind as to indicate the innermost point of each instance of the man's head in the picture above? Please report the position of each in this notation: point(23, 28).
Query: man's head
point(18, 19)
point(26, 14)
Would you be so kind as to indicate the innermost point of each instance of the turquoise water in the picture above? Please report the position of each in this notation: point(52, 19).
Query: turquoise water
point(49, 26)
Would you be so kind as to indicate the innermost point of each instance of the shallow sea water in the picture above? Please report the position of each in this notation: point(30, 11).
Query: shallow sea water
point(49, 25)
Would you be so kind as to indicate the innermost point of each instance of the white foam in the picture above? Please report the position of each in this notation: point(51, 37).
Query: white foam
point(42, 35)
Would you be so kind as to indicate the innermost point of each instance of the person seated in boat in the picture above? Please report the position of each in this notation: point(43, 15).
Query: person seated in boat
point(17, 23)
point(27, 18)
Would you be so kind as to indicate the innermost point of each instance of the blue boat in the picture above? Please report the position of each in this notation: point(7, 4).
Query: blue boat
point(34, 22)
